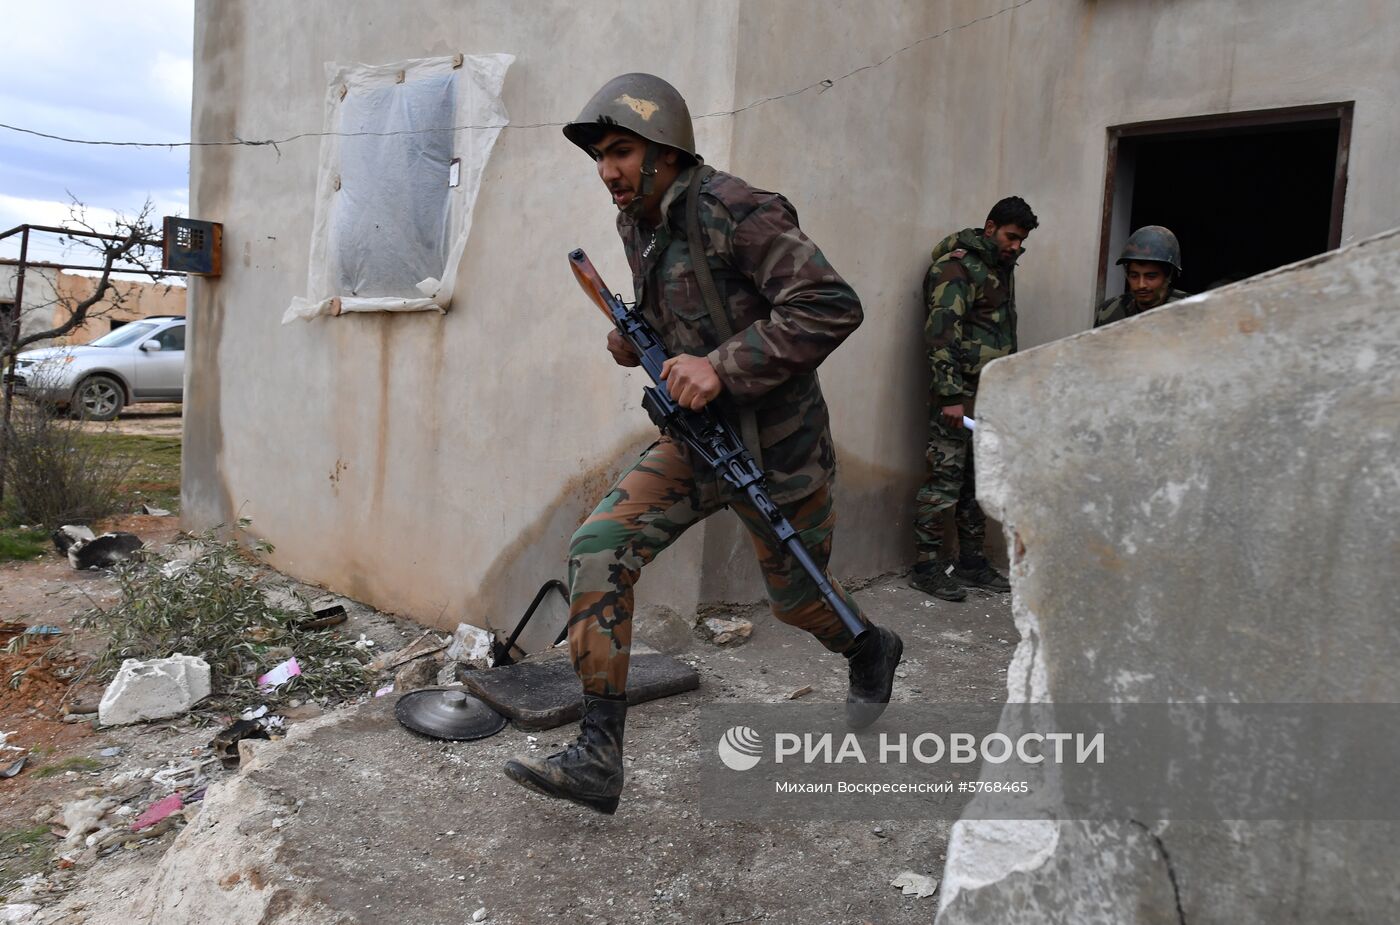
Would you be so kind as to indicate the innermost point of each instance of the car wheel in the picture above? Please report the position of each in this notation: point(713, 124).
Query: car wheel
point(98, 398)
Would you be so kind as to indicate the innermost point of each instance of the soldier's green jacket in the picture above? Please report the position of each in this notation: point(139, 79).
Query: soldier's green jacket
point(787, 307)
point(1125, 306)
point(971, 305)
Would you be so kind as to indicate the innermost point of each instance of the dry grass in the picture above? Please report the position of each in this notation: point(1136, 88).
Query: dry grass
point(207, 598)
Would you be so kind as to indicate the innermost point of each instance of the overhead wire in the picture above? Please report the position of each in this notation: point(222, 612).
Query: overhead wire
point(824, 85)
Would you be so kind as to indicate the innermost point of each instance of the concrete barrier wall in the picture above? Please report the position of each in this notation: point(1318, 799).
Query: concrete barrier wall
point(1204, 504)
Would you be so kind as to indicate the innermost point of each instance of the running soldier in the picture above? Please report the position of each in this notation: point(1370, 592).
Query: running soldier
point(754, 351)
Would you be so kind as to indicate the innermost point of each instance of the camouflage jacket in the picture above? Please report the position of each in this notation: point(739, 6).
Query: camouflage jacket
point(787, 308)
point(971, 305)
point(1125, 306)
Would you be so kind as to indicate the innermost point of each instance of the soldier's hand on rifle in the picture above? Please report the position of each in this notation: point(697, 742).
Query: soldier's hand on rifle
point(953, 415)
point(622, 352)
point(692, 381)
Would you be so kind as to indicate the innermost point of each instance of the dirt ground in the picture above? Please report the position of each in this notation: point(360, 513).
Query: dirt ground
point(64, 760)
point(358, 820)
point(154, 419)
point(375, 824)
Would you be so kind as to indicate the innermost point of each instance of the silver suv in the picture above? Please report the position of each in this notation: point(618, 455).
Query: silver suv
point(140, 361)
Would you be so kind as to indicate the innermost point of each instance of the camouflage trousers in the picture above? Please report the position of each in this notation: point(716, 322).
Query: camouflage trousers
point(949, 481)
point(649, 507)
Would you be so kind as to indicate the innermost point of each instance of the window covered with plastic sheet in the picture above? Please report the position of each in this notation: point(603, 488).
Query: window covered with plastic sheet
point(400, 169)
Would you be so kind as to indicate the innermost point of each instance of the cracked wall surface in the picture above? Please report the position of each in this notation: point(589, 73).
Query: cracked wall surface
point(1203, 503)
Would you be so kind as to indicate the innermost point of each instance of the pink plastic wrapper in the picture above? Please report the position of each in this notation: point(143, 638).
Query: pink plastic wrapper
point(281, 674)
point(158, 811)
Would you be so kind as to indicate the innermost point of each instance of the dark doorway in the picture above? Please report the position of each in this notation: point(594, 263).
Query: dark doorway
point(1245, 192)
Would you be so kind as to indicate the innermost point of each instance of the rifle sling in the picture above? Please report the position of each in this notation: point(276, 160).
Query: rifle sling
point(748, 421)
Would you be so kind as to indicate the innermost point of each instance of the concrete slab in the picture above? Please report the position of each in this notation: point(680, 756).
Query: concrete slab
point(154, 689)
point(544, 693)
point(1203, 503)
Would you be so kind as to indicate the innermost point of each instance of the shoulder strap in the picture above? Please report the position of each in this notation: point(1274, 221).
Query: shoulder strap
point(748, 421)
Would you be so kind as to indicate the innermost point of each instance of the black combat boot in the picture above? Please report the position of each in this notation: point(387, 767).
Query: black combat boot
point(589, 772)
point(872, 666)
point(977, 572)
point(933, 578)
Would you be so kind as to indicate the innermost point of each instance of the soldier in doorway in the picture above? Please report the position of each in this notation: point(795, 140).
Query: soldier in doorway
point(970, 297)
point(1151, 262)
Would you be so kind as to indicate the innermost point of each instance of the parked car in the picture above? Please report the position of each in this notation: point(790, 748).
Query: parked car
point(141, 361)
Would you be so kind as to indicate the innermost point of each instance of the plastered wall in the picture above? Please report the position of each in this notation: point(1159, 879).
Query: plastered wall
point(436, 465)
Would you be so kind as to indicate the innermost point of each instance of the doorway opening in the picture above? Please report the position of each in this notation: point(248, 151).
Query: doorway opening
point(1244, 192)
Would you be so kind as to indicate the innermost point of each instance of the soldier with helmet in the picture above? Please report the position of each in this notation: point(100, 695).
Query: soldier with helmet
point(1151, 261)
point(748, 307)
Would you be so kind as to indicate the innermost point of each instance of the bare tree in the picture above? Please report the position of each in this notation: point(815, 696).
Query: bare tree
point(131, 245)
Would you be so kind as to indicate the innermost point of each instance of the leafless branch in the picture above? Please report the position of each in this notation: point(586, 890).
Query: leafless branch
point(129, 245)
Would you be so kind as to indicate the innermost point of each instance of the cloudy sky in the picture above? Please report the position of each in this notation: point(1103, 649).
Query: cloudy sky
point(85, 69)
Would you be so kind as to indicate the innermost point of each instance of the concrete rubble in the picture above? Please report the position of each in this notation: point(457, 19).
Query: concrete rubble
point(470, 646)
point(1203, 504)
point(723, 632)
point(154, 689)
point(917, 885)
point(417, 674)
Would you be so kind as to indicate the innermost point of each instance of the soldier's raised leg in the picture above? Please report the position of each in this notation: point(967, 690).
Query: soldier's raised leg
point(649, 507)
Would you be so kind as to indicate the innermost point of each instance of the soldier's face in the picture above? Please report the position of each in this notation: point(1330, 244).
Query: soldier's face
point(619, 156)
point(1009, 239)
point(1147, 281)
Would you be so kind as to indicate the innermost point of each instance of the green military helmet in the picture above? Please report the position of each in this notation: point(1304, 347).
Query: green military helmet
point(643, 104)
point(1153, 243)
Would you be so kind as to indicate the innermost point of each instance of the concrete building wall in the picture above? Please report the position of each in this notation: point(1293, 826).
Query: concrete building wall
point(40, 294)
point(436, 465)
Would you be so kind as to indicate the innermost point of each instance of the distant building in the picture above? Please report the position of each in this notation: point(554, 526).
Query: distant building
point(50, 293)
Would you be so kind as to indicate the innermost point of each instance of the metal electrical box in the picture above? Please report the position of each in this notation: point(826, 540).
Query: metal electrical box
point(193, 247)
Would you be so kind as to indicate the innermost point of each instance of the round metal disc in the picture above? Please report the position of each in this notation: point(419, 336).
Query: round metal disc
point(448, 714)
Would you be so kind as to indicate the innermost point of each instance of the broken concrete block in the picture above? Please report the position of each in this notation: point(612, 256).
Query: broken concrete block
point(420, 673)
point(916, 885)
point(154, 689)
point(104, 551)
point(1202, 503)
point(451, 673)
point(15, 913)
point(246, 749)
point(664, 628)
point(726, 632)
point(471, 645)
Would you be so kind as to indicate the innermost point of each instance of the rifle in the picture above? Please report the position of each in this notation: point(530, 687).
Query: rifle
point(708, 435)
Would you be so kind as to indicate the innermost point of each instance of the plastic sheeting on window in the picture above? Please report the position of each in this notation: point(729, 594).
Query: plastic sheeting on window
point(399, 174)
